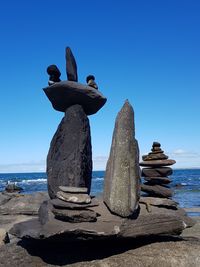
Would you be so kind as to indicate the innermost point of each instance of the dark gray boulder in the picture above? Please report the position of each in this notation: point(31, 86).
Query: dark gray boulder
point(69, 161)
point(13, 188)
point(122, 177)
point(71, 67)
point(23, 204)
point(64, 94)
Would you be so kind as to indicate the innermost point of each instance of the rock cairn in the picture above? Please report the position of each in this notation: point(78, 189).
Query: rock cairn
point(156, 172)
point(73, 205)
point(71, 213)
point(69, 161)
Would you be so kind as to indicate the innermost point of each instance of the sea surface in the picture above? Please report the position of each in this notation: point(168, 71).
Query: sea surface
point(185, 184)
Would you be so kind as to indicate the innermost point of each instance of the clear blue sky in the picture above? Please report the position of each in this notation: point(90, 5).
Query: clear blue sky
point(144, 51)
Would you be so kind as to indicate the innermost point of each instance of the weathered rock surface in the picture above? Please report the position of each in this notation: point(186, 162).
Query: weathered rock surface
point(155, 253)
point(4, 238)
point(60, 204)
point(23, 204)
point(74, 198)
point(75, 216)
point(162, 202)
point(71, 189)
point(157, 163)
point(71, 67)
point(64, 94)
point(157, 222)
point(69, 161)
point(157, 190)
point(156, 172)
point(4, 198)
point(157, 180)
point(122, 177)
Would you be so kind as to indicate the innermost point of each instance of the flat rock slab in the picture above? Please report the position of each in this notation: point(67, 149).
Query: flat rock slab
point(74, 198)
point(160, 202)
point(23, 204)
point(157, 163)
point(159, 221)
point(64, 94)
point(71, 189)
point(157, 190)
point(4, 198)
point(154, 156)
point(157, 180)
point(75, 216)
point(60, 204)
point(157, 172)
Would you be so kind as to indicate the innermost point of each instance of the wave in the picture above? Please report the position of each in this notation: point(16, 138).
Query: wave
point(98, 179)
point(34, 180)
point(184, 184)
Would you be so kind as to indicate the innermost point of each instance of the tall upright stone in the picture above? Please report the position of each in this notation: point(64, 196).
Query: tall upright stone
point(69, 161)
point(71, 67)
point(122, 178)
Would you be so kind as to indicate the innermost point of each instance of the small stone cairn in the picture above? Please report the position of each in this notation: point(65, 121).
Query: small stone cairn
point(156, 173)
point(72, 205)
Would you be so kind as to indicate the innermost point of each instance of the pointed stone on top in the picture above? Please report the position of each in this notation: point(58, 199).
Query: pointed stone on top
point(71, 67)
point(122, 178)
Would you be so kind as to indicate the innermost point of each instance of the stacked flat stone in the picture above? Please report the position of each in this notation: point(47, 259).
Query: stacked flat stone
point(73, 205)
point(156, 172)
point(69, 161)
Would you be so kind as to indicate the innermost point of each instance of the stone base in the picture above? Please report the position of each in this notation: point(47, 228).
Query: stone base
point(153, 222)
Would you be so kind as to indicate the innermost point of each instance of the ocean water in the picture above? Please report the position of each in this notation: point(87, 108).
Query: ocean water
point(185, 184)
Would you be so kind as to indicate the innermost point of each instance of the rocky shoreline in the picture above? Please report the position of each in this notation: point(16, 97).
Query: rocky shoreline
point(179, 251)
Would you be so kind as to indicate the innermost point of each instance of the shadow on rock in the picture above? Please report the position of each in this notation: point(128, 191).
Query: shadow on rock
point(64, 253)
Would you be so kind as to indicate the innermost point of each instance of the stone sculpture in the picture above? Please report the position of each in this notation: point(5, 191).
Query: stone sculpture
point(122, 178)
point(72, 213)
point(156, 175)
point(69, 161)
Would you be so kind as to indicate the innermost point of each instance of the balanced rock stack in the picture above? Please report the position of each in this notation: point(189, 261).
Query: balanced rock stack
point(156, 173)
point(72, 205)
point(69, 161)
point(71, 213)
